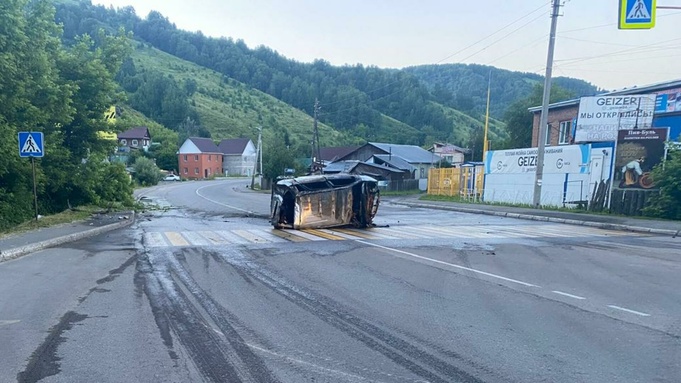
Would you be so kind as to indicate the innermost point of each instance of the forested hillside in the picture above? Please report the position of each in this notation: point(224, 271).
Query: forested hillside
point(464, 86)
point(363, 102)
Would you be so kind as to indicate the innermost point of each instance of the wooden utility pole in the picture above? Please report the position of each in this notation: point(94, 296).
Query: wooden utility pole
point(258, 159)
point(316, 166)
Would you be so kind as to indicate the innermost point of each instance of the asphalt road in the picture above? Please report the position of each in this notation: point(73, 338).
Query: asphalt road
point(202, 289)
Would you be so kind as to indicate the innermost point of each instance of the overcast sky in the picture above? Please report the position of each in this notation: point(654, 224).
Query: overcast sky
point(400, 33)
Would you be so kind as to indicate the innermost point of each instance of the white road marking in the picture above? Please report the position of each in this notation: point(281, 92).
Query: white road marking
point(309, 364)
point(8, 322)
point(448, 264)
point(567, 295)
point(296, 360)
point(629, 311)
point(220, 203)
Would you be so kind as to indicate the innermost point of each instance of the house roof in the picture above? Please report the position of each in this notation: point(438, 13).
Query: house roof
point(333, 153)
point(394, 161)
point(448, 148)
point(410, 153)
point(140, 132)
point(624, 91)
point(350, 165)
point(205, 145)
point(340, 166)
point(233, 145)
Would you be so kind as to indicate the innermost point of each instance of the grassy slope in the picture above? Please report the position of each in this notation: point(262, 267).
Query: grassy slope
point(464, 125)
point(230, 109)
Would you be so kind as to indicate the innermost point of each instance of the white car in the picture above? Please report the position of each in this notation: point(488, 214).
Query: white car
point(171, 177)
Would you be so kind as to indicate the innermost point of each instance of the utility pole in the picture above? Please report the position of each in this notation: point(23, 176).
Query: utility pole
point(485, 143)
point(317, 165)
point(258, 158)
point(543, 121)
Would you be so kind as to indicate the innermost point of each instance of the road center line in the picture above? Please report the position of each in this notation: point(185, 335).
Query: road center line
point(629, 311)
point(567, 295)
point(220, 203)
point(448, 264)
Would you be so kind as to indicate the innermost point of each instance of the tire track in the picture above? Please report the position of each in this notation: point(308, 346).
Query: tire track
point(217, 360)
point(403, 353)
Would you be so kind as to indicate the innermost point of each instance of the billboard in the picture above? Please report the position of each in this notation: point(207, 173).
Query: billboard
point(668, 101)
point(557, 159)
point(638, 152)
point(600, 118)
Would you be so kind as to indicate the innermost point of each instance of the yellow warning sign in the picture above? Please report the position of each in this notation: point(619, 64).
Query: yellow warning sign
point(110, 115)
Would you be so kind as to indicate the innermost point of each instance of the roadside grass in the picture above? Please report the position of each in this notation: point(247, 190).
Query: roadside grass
point(400, 193)
point(67, 216)
point(459, 199)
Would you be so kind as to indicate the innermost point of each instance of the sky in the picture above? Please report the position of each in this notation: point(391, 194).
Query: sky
point(509, 34)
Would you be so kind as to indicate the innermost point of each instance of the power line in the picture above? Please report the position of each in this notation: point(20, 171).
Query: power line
point(504, 37)
point(459, 51)
point(609, 24)
point(531, 43)
point(649, 48)
point(495, 33)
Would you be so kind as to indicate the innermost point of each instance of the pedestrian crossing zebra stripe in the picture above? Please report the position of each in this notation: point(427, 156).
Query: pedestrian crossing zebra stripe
point(266, 236)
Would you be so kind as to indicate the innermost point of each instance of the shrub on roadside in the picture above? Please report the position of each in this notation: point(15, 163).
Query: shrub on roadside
point(667, 204)
point(146, 172)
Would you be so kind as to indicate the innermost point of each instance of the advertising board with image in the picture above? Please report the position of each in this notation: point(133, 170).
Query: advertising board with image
point(638, 152)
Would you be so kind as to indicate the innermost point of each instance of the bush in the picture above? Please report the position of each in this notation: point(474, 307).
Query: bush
point(667, 204)
point(146, 172)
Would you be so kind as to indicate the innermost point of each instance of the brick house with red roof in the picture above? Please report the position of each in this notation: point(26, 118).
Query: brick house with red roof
point(199, 158)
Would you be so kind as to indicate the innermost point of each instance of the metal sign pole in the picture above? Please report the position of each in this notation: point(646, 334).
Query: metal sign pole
point(35, 189)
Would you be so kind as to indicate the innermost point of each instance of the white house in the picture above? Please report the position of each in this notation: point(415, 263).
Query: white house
point(238, 156)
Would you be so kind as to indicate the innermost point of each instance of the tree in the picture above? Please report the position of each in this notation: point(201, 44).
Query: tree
point(276, 158)
point(62, 92)
point(146, 172)
point(667, 176)
point(519, 120)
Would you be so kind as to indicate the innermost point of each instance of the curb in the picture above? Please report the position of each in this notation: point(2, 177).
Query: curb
point(599, 225)
point(6, 255)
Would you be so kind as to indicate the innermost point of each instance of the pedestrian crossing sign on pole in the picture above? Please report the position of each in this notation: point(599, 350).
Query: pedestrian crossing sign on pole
point(637, 14)
point(31, 144)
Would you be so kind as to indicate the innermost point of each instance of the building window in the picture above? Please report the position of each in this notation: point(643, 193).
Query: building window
point(196, 170)
point(210, 156)
point(186, 171)
point(548, 134)
point(196, 157)
point(423, 173)
point(185, 158)
point(135, 142)
point(208, 170)
point(564, 134)
point(124, 142)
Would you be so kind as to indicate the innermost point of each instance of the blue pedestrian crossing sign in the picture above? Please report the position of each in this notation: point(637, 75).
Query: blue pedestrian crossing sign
point(31, 144)
point(637, 14)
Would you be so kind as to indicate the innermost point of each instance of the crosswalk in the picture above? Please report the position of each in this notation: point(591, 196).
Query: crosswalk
point(269, 235)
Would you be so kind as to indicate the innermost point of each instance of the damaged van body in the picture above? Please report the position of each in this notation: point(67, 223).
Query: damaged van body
point(318, 201)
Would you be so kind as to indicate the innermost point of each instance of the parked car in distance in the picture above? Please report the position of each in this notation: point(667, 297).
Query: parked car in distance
point(171, 177)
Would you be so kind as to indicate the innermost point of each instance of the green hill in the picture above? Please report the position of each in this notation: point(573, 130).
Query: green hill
point(230, 109)
point(464, 86)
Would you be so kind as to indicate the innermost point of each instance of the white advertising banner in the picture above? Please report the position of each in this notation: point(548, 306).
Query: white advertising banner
point(557, 159)
point(600, 118)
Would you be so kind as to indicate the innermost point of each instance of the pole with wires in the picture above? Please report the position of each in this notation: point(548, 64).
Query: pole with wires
point(543, 121)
